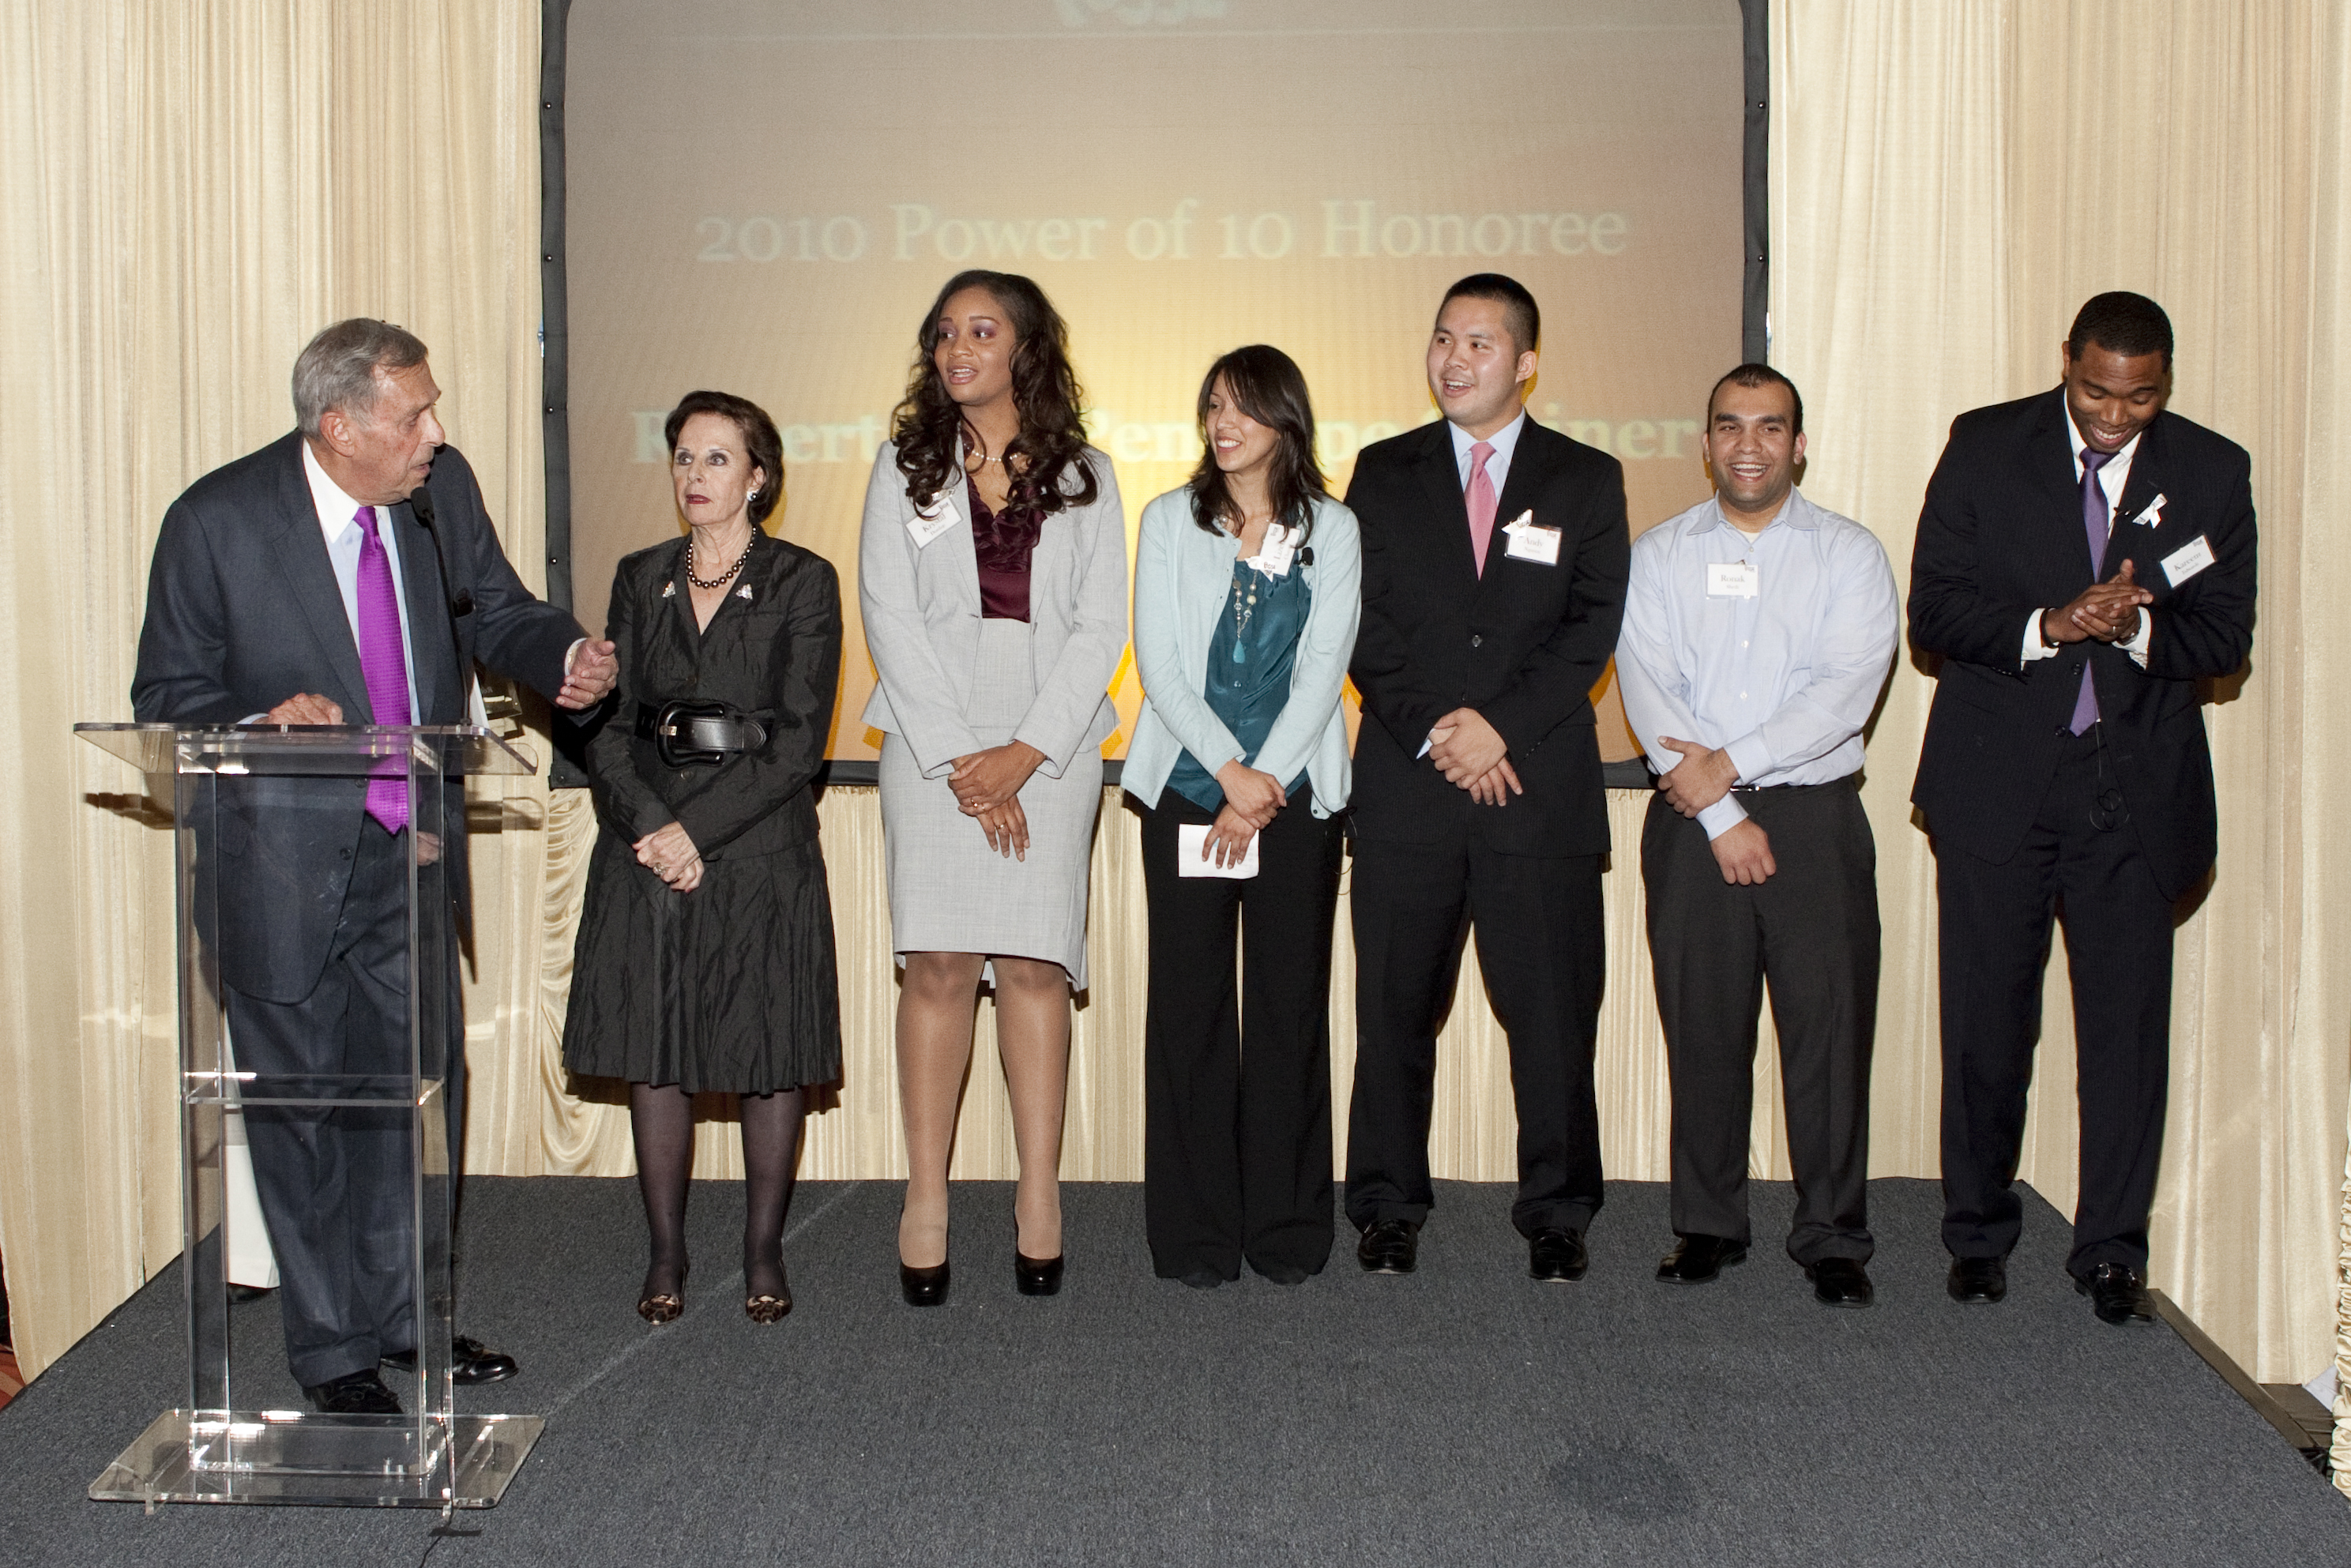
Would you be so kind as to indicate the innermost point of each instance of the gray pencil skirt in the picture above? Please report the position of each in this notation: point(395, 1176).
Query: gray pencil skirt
point(949, 893)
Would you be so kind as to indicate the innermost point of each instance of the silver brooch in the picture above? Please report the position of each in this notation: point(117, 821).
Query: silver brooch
point(669, 590)
point(743, 592)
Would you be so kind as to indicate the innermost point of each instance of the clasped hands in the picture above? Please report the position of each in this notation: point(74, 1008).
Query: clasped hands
point(1251, 799)
point(669, 853)
point(986, 786)
point(1704, 776)
point(2108, 610)
point(1473, 756)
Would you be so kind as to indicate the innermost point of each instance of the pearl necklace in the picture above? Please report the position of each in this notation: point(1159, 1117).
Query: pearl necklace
point(724, 577)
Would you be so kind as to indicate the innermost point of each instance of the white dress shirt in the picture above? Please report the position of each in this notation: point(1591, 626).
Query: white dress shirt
point(1782, 680)
point(339, 521)
point(2114, 479)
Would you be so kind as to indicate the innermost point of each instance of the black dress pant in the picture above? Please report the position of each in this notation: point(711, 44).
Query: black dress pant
point(335, 1182)
point(1540, 947)
point(1995, 920)
point(1812, 928)
point(1236, 1100)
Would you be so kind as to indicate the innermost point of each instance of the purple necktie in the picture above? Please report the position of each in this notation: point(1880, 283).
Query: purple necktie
point(2095, 524)
point(382, 663)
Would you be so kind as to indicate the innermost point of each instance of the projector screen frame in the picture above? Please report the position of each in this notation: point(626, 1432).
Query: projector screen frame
point(1755, 337)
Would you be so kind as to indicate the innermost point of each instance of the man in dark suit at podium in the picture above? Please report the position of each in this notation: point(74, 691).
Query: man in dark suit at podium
point(1494, 565)
point(2085, 558)
point(298, 586)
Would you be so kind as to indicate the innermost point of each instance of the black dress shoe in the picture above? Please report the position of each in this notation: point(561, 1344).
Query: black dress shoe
point(1202, 1278)
point(1977, 1281)
point(2117, 1294)
point(1555, 1256)
point(922, 1287)
point(1695, 1260)
point(238, 1295)
point(1389, 1247)
point(471, 1363)
point(359, 1393)
point(1840, 1282)
point(1283, 1273)
point(1036, 1275)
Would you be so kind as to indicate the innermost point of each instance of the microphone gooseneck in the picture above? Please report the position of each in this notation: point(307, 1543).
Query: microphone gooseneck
point(420, 501)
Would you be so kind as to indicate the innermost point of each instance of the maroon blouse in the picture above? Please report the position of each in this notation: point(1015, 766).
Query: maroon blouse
point(1003, 547)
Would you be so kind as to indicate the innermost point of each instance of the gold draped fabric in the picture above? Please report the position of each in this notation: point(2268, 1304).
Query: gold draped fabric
point(196, 186)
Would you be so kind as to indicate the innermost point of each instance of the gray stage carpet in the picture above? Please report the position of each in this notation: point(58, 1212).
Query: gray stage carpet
point(1464, 1415)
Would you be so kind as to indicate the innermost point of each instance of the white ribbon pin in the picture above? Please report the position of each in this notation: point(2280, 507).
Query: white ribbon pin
point(2153, 516)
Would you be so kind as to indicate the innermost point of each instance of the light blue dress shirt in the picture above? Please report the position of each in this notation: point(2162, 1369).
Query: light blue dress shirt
point(1783, 681)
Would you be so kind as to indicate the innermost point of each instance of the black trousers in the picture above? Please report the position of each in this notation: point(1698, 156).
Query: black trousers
point(1237, 1099)
point(335, 1182)
point(1540, 948)
point(1812, 929)
point(1995, 921)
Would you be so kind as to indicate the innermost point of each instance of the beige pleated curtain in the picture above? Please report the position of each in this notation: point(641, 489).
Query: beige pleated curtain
point(193, 188)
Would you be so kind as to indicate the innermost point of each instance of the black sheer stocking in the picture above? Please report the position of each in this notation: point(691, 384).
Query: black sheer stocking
point(772, 1141)
point(661, 1116)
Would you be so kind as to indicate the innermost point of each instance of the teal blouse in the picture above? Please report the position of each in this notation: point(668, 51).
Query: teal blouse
point(1250, 658)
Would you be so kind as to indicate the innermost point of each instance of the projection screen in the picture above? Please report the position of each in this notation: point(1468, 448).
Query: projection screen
point(763, 198)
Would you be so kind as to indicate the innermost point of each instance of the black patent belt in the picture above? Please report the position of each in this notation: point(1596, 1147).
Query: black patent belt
point(692, 731)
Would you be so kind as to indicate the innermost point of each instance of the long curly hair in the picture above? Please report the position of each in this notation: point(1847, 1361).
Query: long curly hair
point(930, 428)
point(1270, 388)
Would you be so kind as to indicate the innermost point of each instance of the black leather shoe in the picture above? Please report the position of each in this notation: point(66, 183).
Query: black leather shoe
point(238, 1295)
point(2117, 1294)
point(1977, 1281)
point(359, 1393)
point(922, 1287)
point(1036, 1275)
point(1840, 1282)
point(1202, 1278)
point(1555, 1256)
point(1389, 1247)
point(471, 1363)
point(1283, 1273)
point(1695, 1260)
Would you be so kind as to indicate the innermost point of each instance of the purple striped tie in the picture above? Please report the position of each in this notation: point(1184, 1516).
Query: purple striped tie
point(2095, 524)
point(383, 664)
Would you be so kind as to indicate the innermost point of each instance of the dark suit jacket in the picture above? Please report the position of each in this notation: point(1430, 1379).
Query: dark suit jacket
point(1523, 646)
point(2002, 536)
point(776, 655)
point(243, 611)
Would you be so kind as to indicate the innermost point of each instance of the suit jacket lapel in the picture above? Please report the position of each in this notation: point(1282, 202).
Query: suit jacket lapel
point(2049, 466)
point(2145, 484)
point(1440, 478)
point(299, 549)
point(1530, 464)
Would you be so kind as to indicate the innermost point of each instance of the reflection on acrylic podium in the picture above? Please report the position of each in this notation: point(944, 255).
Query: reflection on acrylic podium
point(259, 811)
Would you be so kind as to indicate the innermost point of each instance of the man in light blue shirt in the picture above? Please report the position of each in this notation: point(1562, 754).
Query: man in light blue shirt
point(1757, 631)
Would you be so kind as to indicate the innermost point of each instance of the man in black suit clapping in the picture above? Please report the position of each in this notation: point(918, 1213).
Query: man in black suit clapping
point(2084, 559)
point(1494, 566)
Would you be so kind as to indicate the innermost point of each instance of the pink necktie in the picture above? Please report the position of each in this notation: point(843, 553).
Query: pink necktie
point(381, 663)
point(1481, 503)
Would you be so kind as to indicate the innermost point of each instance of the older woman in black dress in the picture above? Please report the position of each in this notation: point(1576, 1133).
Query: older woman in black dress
point(706, 957)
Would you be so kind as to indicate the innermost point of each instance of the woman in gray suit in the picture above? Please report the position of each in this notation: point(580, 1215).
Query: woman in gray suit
point(1247, 594)
point(992, 574)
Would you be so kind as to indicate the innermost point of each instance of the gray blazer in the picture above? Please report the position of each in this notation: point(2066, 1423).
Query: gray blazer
point(922, 612)
point(1183, 575)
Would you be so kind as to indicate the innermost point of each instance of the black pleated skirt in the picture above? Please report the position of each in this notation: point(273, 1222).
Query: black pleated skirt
point(732, 987)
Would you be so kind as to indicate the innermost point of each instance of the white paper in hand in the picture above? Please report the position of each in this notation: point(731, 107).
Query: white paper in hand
point(1191, 836)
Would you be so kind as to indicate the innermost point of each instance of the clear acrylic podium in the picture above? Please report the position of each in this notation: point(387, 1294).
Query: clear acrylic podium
point(259, 812)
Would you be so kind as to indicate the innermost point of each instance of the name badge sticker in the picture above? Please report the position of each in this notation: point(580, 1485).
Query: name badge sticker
point(2188, 560)
point(1530, 540)
point(931, 521)
point(1275, 552)
point(1733, 579)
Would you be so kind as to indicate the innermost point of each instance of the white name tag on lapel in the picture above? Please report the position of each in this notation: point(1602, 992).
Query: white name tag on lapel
point(1529, 540)
point(2188, 560)
point(1273, 556)
point(931, 522)
point(2153, 516)
point(1732, 579)
point(1191, 836)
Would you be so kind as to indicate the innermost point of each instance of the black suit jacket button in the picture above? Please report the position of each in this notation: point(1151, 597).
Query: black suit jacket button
point(1477, 641)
